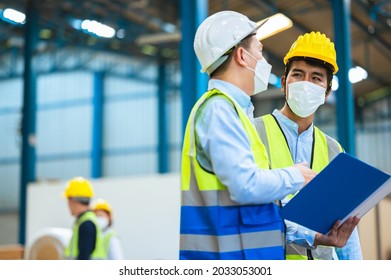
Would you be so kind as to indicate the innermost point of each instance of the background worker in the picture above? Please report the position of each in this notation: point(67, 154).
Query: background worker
point(86, 240)
point(227, 209)
point(291, 137)
point(111, 242)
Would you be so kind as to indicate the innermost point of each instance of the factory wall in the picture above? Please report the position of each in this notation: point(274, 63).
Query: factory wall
point(64, 128)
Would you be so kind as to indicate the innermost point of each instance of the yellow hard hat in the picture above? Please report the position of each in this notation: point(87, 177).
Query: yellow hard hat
point(314, 45)
point(78, 187)
point(102, 204)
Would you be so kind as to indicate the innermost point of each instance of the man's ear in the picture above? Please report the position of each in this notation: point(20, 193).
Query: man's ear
point(238, 56)
point(327, 94)
point(283, 80)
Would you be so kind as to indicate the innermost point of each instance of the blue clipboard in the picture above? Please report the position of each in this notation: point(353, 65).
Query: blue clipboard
point(345, 188)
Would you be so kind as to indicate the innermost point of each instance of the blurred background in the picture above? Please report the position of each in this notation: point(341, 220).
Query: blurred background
point(103, 88)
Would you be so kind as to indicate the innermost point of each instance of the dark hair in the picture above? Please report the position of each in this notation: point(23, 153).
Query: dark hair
point(245, 43)
point(313, 62)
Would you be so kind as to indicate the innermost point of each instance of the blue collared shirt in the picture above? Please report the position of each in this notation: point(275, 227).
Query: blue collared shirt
point(300, 147)
point(223, 148)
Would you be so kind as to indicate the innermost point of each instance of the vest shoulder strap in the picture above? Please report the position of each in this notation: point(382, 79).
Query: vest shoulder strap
point(274, 139)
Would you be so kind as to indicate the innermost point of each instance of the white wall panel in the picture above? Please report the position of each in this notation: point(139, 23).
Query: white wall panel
point(63, 169)
point(64, 86)
point(119, 86)
point(130, 164)
point(65, 130)
point(175, 160)
point(10, 138)
point(375, 148)
point(175, 119)
point(130, 123)
point(9, 187)
point(10, 142)
point(11, 93)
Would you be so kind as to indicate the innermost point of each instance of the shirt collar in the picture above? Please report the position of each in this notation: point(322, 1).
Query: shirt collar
point(291, 125)
point(236, 93)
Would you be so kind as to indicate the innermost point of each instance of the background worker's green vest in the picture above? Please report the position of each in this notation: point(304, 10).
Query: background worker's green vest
point(72, 250)
point(324, 149)
point(106, 238)
point(212, 225)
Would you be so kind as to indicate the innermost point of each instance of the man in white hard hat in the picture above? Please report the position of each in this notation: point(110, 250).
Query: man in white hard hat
point(228, 191)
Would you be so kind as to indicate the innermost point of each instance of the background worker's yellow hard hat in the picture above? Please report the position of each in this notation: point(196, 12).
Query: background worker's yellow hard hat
point(314, 45)
point(102, 204)
point(78, 187)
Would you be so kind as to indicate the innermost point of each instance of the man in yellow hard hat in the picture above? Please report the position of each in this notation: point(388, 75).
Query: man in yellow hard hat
point(291, 137)
point(228, 191)
point(86, 241)
point(111, 242)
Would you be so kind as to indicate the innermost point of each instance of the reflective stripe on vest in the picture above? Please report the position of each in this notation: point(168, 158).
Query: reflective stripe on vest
point(324, 149)
point(72, 250)
point(212, 225)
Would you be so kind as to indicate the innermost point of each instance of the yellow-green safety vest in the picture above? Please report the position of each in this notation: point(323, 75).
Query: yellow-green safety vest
point(107, 235)
point(212, 226)
point(72, 250)
point(324, 149)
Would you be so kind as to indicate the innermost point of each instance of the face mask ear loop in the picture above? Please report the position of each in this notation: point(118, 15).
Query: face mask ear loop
point(256, 60)
point(286, 99)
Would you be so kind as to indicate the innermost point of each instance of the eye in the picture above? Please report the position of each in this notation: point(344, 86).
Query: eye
point(318, 79)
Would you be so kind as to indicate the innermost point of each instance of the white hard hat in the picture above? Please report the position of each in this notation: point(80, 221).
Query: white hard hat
point(219, 33)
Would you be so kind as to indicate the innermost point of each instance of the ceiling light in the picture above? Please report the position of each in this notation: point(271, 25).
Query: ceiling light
point(121, 33)
point(275, 24)
point(357, 74)
point(97, 28)
point(14, 16)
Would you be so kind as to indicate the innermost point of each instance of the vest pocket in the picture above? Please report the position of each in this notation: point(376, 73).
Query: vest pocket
point(259, 214)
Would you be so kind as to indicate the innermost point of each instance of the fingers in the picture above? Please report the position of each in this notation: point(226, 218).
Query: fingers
point(345, 230)
point(308, 174)
point(349, 225)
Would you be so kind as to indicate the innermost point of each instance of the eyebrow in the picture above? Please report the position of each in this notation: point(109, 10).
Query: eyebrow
point(316, 73)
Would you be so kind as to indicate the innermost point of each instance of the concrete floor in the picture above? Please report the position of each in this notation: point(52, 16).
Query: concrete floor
point(9, 228)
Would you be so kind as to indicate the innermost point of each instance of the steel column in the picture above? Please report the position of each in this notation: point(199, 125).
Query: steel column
point(29, 111)
point(194, 83)
point(345, 98)
point(97, 125)
point(163, 151)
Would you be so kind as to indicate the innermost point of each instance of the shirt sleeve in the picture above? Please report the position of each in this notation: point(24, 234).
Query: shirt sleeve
point(225, 144)
point(87, 240)
point(352, 249)
point(299, 235)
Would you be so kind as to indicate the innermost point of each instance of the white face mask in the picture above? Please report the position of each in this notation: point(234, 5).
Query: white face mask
point(103, 222)
point(262, 73)
point(305, 97)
